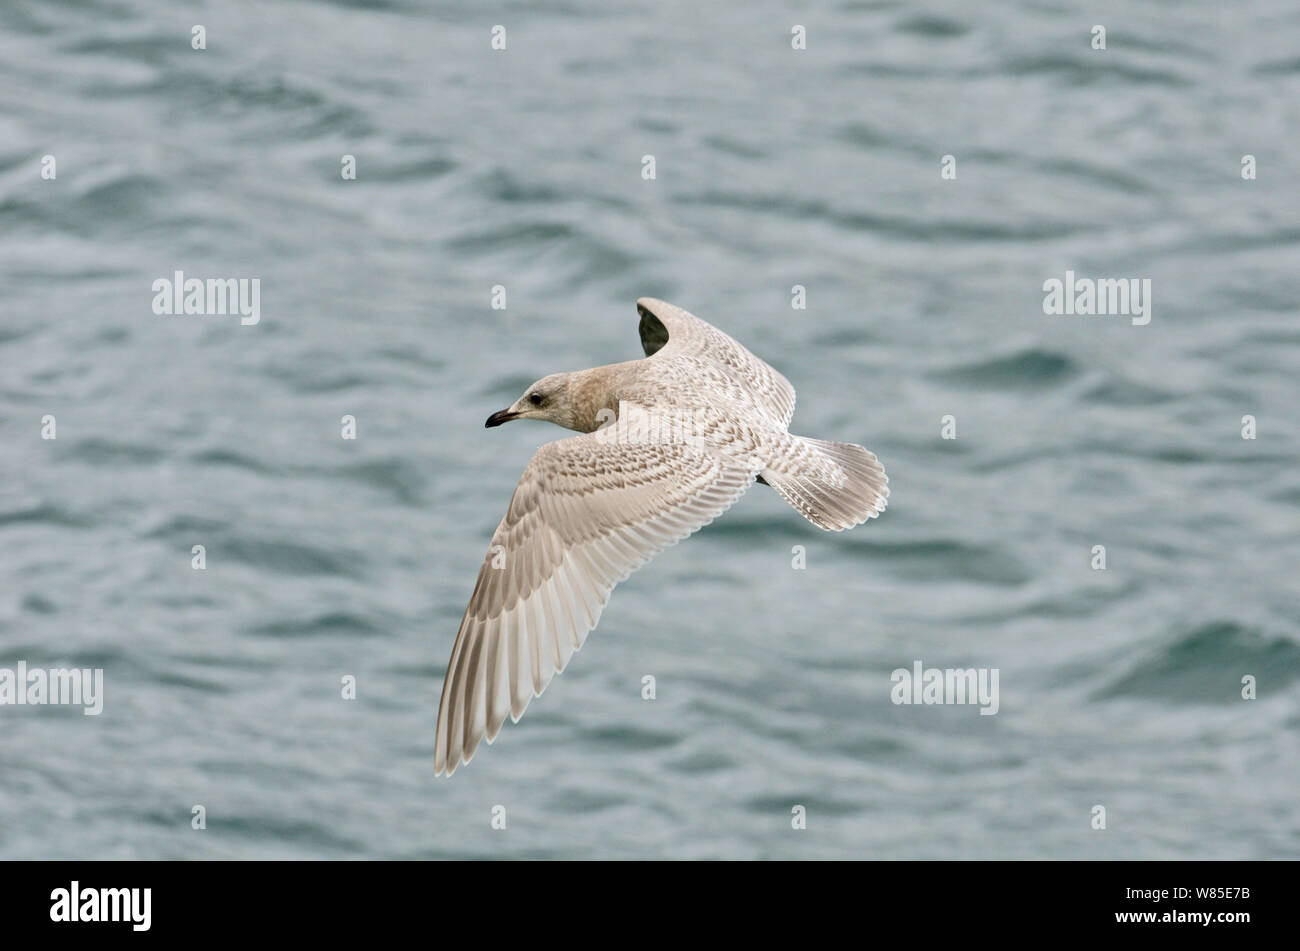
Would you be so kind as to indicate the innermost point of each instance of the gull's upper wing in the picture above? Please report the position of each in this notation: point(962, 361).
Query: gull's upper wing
point(588, 511)
point(668, 328)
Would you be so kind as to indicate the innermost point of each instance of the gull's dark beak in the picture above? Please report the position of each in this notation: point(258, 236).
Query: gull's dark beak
point(496, 419)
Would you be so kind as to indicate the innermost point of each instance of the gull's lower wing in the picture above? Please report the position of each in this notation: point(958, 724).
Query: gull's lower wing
point(588, 511)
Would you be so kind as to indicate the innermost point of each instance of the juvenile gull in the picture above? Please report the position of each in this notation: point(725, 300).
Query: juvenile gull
point(668, 444)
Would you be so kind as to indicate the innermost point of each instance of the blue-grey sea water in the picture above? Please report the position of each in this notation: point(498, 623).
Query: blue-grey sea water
point(822, 167)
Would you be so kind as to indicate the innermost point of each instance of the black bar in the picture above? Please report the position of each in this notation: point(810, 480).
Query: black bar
point(333, 900)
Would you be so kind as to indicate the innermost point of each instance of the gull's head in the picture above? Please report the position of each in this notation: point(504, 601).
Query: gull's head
point(550, 398)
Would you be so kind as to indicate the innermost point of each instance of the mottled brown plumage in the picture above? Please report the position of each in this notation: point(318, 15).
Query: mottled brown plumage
point(668, 444)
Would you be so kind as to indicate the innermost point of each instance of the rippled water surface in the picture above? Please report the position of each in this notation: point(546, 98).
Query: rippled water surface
point(775, 167)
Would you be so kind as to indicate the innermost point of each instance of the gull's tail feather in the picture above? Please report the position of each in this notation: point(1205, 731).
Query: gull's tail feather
point(835, 485)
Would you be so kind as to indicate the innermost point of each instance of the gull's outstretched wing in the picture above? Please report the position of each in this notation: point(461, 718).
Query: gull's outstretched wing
point(587, 512)
point(668, 328)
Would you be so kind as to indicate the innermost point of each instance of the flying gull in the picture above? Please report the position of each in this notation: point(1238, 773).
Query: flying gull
point(668, 444)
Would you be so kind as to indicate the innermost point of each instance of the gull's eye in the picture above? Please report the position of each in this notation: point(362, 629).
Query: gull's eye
point(535, 399)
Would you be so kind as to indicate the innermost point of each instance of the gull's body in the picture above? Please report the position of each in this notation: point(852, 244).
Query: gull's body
point(668, 444)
